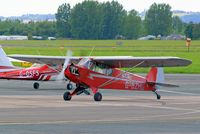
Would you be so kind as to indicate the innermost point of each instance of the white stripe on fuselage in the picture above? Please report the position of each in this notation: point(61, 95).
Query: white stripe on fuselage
point(8, 70)
point(91, 76)
point(129, 83)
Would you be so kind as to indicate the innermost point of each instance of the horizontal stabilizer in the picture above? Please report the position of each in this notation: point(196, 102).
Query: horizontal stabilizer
point(162, 84)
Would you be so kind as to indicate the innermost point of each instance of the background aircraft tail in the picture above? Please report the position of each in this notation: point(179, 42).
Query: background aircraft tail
point(5, 64)
point(156, 76)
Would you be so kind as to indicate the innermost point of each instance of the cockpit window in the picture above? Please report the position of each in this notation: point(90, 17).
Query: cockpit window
point(95, 66)
point(101, 68)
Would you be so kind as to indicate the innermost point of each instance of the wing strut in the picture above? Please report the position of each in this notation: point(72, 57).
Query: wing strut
point(113, 79)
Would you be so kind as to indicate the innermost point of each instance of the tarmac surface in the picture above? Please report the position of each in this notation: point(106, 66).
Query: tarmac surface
point(24, 110)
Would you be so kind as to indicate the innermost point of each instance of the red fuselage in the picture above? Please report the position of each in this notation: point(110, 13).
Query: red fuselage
point(106, 78)
point(42, 73)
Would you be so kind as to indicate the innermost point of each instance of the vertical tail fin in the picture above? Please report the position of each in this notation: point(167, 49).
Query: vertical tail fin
point(156, 74)
point(4, 61)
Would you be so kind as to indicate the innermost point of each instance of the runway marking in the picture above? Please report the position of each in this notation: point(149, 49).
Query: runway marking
point(125, 102)
point(151, 106)
point(183, 93)
point(116, 120)
point(184, 103)
point(32, 103)
point(191, 111)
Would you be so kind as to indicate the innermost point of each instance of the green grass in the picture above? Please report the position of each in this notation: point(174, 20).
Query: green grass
point(109, 48)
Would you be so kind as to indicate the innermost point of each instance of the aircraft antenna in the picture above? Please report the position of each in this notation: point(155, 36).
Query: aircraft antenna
point(92, 51)
point(38, 52)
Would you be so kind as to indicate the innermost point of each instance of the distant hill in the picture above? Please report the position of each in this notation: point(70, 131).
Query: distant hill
point(185, 16)
point(195, 18)
point(188, 16)
point(32, 17)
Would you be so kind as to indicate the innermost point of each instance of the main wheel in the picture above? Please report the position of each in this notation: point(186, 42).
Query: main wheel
point(97, 96)
point(67, 96)
point(69, 86)
point(36, 85)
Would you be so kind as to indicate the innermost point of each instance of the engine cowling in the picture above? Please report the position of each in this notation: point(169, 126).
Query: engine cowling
point(72, 73)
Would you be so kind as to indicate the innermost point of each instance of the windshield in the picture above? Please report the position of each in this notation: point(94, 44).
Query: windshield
point(83, 61)
point(95, 66)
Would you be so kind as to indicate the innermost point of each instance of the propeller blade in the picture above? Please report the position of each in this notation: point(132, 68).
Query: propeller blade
point(61, 76)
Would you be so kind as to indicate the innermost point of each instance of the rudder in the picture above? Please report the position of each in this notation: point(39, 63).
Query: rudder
point(156, 74)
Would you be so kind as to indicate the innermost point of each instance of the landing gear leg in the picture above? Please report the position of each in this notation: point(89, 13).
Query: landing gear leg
point(67, 95)
point(157, 95)
point(36, 85)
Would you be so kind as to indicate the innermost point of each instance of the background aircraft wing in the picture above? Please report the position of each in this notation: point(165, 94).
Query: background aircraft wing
point(45, 59)
point(113, 61)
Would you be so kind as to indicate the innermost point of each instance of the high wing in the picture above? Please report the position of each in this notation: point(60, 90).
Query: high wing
point(113, 61)
point(128, 62)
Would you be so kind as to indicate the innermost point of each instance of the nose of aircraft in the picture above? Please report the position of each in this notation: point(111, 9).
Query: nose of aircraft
point(67, 72)
point(71, 73)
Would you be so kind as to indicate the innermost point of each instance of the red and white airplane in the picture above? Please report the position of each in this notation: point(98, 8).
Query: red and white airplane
point(37, 72)
point(94, 73)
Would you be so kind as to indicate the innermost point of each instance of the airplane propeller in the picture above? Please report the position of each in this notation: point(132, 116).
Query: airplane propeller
point(61, 76)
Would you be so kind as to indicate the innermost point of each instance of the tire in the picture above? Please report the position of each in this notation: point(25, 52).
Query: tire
point(97, 96)
point(36, 85)
point(67, 96)
point(69, 86)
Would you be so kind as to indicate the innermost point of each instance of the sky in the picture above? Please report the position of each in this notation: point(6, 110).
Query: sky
point(19, 7)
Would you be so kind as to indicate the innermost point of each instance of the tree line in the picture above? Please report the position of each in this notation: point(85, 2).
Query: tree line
point(17, 27)
point(103, 20)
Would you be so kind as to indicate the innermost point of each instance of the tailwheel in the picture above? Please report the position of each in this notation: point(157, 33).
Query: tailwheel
point(67, 96)
point(157, 95)
point(36, 85)
point(97, 96)
point(69, 86)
